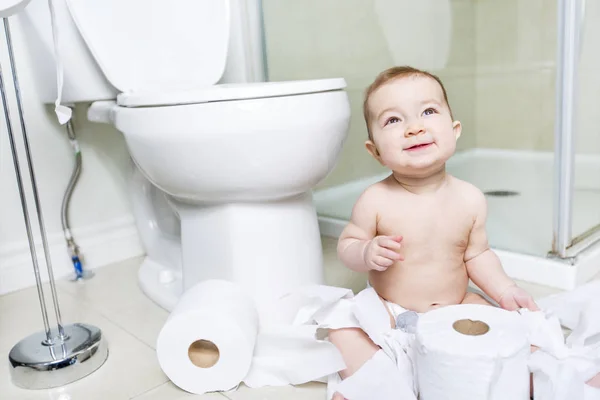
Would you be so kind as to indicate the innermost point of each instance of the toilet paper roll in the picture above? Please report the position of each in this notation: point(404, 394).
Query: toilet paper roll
point(208, 341)
point(472, 352)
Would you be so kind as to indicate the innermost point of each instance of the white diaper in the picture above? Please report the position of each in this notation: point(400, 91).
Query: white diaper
point(406, 320)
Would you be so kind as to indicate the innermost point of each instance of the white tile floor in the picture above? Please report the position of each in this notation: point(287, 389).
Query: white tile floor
point(131, 322)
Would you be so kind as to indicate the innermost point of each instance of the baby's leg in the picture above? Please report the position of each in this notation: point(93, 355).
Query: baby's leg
point(356, 348)
point(474, 298)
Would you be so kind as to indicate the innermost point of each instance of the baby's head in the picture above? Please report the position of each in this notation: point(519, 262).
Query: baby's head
point(410, 123)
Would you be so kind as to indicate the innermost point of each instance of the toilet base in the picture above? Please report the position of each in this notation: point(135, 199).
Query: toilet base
point(160, 283)
point(269, 248)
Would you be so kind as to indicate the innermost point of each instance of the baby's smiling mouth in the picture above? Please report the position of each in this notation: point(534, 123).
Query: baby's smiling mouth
point(418, 146)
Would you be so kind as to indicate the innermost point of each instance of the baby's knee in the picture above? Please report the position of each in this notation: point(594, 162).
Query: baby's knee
point(355, 346)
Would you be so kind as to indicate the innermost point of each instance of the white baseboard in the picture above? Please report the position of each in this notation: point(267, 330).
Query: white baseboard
point(100, 245)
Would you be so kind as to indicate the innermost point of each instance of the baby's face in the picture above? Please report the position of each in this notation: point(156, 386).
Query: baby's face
point(413, 131)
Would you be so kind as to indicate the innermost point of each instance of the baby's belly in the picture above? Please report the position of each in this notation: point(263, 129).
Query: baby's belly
point(422, 287)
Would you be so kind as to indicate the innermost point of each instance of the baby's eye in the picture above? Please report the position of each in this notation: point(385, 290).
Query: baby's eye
point(392, 120)
point(429, 111)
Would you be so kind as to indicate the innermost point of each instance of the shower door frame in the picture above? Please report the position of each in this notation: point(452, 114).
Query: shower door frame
point(571, 18)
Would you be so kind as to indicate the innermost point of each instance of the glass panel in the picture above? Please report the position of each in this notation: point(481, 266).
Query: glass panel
point(498, 66)
point(586, 196)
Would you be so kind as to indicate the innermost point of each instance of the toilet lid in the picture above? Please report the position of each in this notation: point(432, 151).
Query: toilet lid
point(150, 45)
point(225, 92)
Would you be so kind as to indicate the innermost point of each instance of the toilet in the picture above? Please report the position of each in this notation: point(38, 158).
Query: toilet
point(224, 165)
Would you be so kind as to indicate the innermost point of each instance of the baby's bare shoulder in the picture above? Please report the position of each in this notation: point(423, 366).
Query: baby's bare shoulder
point(376, 193)
point(468, 194)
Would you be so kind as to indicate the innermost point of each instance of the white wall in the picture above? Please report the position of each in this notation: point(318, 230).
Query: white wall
point(101, 218)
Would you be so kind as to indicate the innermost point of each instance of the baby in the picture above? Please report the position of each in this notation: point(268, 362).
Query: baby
point(419, 233)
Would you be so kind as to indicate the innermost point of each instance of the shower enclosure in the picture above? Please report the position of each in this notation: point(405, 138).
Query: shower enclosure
point(522, 77)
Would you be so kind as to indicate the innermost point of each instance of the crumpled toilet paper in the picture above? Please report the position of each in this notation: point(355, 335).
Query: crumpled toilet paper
point(316, 310)
point(561, 367)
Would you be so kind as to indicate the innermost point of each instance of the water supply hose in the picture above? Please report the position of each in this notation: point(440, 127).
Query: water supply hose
point(72, 246)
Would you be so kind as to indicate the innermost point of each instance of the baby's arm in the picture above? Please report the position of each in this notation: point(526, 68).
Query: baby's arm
point(483, 265)
point(359, 247)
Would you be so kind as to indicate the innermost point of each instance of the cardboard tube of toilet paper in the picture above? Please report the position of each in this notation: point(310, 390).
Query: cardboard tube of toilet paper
point(472, 352)
point(208, 341)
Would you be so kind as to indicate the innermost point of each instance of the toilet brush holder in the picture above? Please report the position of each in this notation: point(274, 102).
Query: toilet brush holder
point(54, 357)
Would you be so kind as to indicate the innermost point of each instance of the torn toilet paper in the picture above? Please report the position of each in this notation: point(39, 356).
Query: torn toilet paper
point(319, 308)
point(561, 367)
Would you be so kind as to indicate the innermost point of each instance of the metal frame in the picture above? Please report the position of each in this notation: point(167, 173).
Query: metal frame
point(570, 13)
point(50, 358)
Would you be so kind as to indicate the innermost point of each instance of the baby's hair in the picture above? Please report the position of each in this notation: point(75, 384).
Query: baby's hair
point(389, 75)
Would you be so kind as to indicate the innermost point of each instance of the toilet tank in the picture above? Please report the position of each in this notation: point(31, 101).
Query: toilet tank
point(112, 46)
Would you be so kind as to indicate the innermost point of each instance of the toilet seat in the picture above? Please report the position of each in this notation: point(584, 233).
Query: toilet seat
point(227, 92)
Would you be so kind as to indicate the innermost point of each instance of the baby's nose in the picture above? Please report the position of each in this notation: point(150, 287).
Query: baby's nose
point(414, 129)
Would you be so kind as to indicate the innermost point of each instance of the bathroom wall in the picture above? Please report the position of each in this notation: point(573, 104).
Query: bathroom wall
point(315, 39)
point(101, 219)
point(516, 48)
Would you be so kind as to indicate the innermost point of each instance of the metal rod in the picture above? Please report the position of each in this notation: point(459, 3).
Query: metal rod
point(566, 84)
point(36, 199)
point(36, 269)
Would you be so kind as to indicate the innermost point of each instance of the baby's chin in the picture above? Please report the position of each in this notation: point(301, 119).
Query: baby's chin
point(420, 165)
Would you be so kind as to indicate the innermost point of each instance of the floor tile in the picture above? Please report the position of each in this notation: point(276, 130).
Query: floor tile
point(131, 367)
point(124, 304)
point(309, 391)
point(168, 391)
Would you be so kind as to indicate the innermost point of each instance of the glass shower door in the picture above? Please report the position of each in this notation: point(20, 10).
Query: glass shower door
point(581, 34)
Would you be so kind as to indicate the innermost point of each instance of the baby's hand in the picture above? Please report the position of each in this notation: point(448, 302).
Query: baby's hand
point(514, 298)
point(380, 252)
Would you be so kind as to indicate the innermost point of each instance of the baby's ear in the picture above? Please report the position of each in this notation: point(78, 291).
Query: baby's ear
point(457, 128)
point(372, 149)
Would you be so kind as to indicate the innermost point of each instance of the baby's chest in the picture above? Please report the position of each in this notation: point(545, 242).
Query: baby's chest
point(421, 226)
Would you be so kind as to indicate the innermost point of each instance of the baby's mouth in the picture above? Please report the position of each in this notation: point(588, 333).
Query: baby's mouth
point(418, 147)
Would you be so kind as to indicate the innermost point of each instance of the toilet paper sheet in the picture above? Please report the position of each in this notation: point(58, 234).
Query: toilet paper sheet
point(317, 309)
point(561, 367)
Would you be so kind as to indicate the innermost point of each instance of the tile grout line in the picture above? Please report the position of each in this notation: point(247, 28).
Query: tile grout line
point(91, 305)
point(137, 396)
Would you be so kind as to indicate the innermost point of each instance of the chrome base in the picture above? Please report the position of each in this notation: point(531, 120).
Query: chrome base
point(36, 365)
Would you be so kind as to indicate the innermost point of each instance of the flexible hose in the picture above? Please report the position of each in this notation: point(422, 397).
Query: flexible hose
point(71, 245)
point(72, 182)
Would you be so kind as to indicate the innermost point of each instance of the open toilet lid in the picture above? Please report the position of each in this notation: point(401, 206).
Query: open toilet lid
point(225, 92)
point(139, 48)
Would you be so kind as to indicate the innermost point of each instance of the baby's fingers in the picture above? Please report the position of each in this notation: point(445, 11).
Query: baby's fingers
point(392, 255)
point(391, 242)
point(381, 263)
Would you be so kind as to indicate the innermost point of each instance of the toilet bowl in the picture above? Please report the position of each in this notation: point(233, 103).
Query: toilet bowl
point(223, 173)
point(237, 172)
